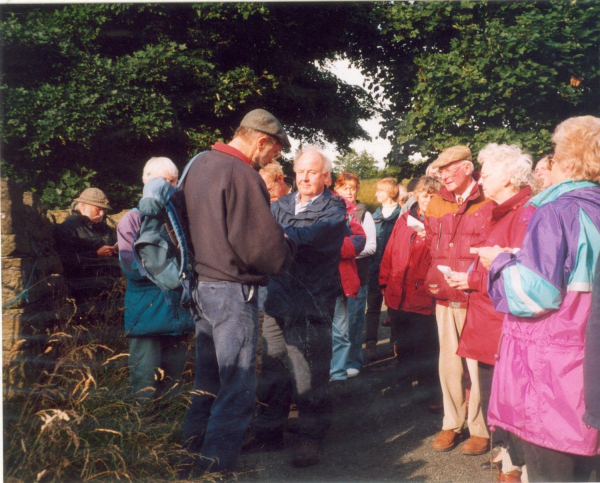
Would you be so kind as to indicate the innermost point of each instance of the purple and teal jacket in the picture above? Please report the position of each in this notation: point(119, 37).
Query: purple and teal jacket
point(545, 290)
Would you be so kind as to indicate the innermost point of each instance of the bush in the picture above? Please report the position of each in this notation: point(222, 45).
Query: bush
point(78, 422)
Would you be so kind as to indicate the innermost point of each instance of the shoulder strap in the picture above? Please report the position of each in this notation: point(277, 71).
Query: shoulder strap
point(187, 168)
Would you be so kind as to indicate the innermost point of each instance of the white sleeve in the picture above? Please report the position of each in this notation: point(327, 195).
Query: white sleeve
point(369, 226)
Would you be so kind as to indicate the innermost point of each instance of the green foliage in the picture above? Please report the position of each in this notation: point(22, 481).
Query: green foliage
point(362, 164)
point(59, 195)
point(109, 85)
point(479, 72)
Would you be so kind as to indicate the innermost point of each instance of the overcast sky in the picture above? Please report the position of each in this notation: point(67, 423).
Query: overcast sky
point(377, 147)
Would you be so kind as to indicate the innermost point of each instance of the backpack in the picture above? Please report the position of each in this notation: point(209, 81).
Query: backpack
point(160, 247)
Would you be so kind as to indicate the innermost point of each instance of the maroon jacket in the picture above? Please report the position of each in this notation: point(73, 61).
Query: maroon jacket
point(481, 334)
point(353, 245)
point(404, 265)
point(451, 232)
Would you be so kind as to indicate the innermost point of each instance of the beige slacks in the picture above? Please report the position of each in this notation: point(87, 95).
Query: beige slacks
point(450, 322)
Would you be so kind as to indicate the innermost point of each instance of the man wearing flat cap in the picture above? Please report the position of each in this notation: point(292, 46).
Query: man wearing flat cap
point(85, 235)
point(237, 243)
point(457, 219)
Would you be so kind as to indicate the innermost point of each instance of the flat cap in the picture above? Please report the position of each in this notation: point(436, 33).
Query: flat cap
point(264, 121)
point(93, 196)
point(452, 155)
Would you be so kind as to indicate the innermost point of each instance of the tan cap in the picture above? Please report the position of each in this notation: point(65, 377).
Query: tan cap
point(93, 196)
point(452, 155)
point(264, 121)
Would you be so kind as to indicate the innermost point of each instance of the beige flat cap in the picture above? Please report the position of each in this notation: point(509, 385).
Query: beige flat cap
point(452, 155)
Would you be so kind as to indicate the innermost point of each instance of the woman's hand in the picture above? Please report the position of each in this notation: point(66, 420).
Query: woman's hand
point(488, 254)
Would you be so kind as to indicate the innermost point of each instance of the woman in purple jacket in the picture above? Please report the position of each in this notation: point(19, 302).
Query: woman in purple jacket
point(545, 290)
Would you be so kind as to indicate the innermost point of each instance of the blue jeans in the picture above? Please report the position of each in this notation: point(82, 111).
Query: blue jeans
point(340, 340)
point(296, 360)
point(146, 356)
point(222, 402)
point(356, 322)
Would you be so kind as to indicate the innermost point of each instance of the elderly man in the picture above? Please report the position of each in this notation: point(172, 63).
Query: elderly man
point(299, 308)
point(237, 243)
point(156, 325)
point(457, 219)
point(272, 175)
point(84, 236)
point(542, 171)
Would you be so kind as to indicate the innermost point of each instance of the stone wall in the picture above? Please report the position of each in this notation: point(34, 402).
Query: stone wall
point(34, 292)
point(33, 287)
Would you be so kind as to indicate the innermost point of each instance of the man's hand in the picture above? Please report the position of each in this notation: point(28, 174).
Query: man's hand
point(458, 280)
point(488, 254)
point(106, 251)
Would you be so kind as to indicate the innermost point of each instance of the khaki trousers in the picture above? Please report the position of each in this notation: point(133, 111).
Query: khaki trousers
point(450, 322)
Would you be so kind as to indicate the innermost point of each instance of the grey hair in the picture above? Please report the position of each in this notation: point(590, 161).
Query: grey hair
point(327, 163)
point(511, 160)
point(160, 168)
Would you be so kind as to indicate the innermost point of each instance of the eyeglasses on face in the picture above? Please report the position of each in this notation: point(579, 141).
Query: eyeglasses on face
point(445, 171)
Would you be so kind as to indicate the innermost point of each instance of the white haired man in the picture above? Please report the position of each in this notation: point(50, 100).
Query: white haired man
point(156, 327)
point(299, 307)
point(457, 217)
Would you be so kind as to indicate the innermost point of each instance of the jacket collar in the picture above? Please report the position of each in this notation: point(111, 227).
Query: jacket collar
point(556, 190)
point(378, 214)
point(227, 149)
point(475, 195)
point(288, 202)
point(512, 203)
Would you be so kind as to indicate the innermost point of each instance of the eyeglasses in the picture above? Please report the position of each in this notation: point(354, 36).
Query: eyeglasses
point(450, 171)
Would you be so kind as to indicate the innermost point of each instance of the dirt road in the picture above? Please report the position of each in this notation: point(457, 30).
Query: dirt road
point(381, 432)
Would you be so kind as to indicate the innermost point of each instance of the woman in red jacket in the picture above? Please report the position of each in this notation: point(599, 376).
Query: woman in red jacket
point(505, 177)
point(405, 263)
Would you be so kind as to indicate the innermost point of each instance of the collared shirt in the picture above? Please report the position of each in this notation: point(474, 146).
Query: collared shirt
point(299, 207)
point(467, 192)
point(227, 149)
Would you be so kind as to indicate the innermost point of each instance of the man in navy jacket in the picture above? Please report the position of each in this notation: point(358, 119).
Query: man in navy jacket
point(299, 307)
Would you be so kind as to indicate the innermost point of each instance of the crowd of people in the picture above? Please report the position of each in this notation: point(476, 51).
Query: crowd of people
point(488, 271)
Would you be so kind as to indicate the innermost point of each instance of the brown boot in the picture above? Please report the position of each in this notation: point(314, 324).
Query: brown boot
point(475, 446)
point(446, 440)
point(513, 476)
point(371, 350)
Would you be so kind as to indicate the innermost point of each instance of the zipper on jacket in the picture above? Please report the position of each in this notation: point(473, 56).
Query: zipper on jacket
point(439, 236)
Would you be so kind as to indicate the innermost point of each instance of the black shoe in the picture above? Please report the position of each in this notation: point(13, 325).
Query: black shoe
point(306, 454)
point(496, 465)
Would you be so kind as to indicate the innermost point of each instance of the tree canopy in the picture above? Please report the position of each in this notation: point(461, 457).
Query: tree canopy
point(479, 72)
point(362, 164)
point(104, 87)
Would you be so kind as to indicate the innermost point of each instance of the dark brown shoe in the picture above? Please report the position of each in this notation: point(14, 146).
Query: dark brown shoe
point(446, 440)
point(371, 351)
point(475, 446)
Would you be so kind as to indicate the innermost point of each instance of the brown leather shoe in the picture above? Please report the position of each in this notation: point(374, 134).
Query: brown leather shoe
point(476, 445)
point(513, 476)
point(446, 440)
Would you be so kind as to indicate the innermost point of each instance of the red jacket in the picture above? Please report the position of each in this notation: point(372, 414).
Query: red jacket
point(354, 243)
point(451, 232)
point(481, 334)
point(404, 265)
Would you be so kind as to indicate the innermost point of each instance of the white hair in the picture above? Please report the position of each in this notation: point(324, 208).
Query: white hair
point(327, 163)
point(402, 193)
point(509, 160)
point(160, 168)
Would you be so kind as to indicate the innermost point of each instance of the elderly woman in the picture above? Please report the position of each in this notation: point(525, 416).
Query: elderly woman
point(347, 185)
point(545, 290)
point(505, 177)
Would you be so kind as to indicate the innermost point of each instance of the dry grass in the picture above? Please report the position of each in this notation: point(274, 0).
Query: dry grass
point(78, 422)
